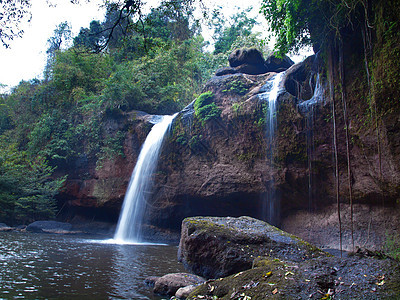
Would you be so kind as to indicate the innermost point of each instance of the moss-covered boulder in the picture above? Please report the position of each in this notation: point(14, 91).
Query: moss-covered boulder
point(214, 247)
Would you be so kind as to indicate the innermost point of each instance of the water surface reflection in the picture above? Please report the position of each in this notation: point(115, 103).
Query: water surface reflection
point(67, 267)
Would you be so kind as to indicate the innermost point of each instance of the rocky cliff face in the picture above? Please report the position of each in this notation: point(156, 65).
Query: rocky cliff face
point(95, 190)
point(223, 166)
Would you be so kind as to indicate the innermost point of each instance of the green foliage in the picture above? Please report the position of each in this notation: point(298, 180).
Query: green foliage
point(76, 76)
point(5, 119)
point(203, 100)
point(392, 246)
point(298, 23)
point(161, 84)
point(205, 109)
point(52, 137)
point(208, 112)
point(90, 38)
point(27, 189)
point(253, 40)
point(288, 20)
point(237, 87)
point(195, 143)
point(181, 139)
point(171, 21)
point(112, 148)
point(241, 26)
point(385, 65)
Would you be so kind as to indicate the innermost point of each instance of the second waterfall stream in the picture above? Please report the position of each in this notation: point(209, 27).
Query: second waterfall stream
point(129, 226)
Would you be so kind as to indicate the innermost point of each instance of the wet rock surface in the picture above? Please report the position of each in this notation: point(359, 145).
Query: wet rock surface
point(184, 292)
point(169, 284)
point(49, 227)
point(215, 247)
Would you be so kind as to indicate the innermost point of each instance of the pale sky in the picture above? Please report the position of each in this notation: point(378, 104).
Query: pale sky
point(26, 58)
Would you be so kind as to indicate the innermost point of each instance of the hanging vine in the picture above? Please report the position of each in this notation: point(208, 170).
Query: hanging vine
point(335, 147)
point(346, 128)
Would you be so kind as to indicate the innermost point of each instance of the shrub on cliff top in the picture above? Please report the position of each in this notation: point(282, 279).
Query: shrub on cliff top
point(205, 109)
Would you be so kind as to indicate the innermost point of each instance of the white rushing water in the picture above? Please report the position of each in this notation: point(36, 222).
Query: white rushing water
point(134, 206)
point(272, 97)
point(271, 204)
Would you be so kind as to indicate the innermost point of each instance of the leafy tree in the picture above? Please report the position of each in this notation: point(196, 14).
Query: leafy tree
point(53, 138)
point(37, 201)
point(298, 23)
point(162, 84)
point(171, 21)
point(77, 76)
point(225, 36)
point(91, 38)
point(61, 34)
point(14, 12)
point(5, 119)
point(27, 189)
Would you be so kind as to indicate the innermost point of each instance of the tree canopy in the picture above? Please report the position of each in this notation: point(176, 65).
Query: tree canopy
point(299, 23)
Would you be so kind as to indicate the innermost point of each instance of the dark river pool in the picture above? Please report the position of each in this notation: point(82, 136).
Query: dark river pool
point(40, 266)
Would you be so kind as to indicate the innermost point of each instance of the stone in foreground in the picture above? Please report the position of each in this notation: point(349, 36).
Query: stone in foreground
point(170, 283)
point(184, 292)
point(215, 247)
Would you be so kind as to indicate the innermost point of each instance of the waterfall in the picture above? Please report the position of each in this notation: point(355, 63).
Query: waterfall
point(271, 91)
point(134, 205)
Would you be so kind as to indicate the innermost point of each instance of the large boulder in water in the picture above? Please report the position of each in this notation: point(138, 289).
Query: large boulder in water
point(49, 227)
point(215, 247)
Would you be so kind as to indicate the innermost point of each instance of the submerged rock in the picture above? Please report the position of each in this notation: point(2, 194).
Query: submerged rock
point(49, 227)
point(214, 247)
point(170, 283)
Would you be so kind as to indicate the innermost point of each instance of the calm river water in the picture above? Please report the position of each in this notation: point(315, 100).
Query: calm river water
point(40, 266)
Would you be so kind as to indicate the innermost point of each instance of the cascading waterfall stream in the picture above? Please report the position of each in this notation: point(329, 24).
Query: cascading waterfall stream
point(130, 221)
point(271, 205)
